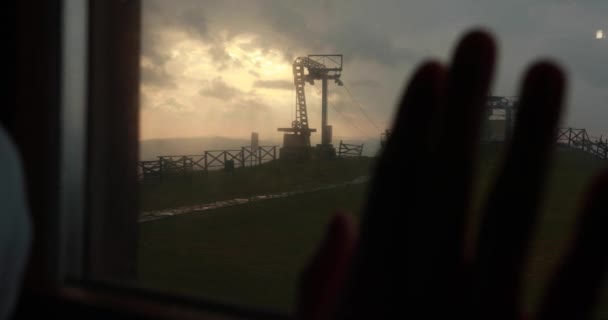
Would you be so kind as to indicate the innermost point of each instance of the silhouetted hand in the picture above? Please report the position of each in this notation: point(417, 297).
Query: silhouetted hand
point(412, 257)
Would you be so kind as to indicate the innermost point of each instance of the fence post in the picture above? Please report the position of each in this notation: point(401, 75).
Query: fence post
point(585, 143)
point(569, 137)
point(243, 156)
point(259, 156)
point(161, 168)
point(206, 163)
point(274, 152)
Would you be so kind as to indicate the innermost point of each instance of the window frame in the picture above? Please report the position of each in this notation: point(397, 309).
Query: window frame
point(85, 219)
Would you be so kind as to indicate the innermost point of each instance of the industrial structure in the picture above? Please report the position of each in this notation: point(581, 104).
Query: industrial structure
point(499, 118)
point(296, 140)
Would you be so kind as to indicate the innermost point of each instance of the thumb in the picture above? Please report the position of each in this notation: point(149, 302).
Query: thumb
point(324, 277)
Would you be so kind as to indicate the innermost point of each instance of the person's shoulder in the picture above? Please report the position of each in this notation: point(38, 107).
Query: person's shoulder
point(13, 205)
point(9, 156)
point(15, 226)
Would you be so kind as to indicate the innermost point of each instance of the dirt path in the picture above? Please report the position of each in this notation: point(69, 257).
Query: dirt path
point(160, 214)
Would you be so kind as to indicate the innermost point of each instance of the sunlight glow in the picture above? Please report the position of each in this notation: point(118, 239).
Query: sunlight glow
point(600, 34)
point(268, 63)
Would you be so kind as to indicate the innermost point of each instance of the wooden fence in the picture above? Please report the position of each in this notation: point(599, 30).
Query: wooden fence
point(570, 137)
point(256, 156)
point(579, 139)
point(350, 150)
point(222, 158)
point(209, 160)
point(149, 169)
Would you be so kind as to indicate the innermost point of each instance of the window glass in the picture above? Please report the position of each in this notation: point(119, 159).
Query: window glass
point(232, 207)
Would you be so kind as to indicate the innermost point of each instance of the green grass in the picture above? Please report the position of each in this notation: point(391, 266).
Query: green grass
point(570, 174)
point(275, 176)
point(567, 186)
point(252, 254)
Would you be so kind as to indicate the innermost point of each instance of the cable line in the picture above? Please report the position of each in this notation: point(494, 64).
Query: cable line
point(344, 118)
point(362, 109)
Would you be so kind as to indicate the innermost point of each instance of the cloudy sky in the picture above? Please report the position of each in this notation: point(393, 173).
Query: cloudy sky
point(223, 68)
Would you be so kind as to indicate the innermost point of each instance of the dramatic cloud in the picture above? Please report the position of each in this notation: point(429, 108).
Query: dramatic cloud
point(222, 58)
point(219, 89)
point(274, 84)
point(365, 83)
point(193, 20)
point(172, 104)
point(251, 104)
point(254, 73)
point(156, 75)
point(247, 47)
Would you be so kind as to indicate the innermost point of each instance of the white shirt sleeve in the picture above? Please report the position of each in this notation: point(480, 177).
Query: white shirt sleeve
point(15, 226)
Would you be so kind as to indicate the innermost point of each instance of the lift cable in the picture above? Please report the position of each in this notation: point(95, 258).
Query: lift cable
point(344, 117)
point(361, 108)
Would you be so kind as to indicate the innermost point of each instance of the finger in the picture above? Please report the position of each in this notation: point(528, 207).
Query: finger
point(469, 80)
point(413, 120)
point(378, 273)
point(511, 209)
point(324, 277)
point(575, 287)
point(454, 162)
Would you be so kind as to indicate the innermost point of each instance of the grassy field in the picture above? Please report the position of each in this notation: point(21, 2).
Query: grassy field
point(252, 254)
point(271, 177)
point(570, 175)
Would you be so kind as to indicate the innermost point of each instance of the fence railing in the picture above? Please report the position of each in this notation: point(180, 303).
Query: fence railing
point(149, 169)
point(571, 137)
point(174, 165)
point(350, 150)
point(258, 155)
point(579, 139)
point(222, 159)
point(182, 162)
